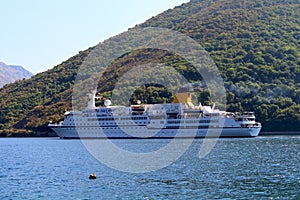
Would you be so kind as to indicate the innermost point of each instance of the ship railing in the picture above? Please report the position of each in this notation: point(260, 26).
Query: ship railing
point(254, 125)
point(246, 114)
point(55, 124)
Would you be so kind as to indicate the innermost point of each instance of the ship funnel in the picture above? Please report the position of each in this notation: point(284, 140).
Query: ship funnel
point(184, 98)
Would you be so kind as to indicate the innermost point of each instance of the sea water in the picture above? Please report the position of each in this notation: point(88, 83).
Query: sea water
point(236, 168)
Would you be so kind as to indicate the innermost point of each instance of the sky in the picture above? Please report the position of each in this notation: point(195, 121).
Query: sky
point(39, 34)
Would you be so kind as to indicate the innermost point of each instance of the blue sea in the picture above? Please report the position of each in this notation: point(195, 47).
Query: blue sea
point(236, 168)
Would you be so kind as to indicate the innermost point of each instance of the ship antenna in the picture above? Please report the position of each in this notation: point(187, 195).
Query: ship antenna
point(213, 107)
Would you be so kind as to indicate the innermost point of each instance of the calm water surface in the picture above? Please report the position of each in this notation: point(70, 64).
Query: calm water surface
point(250, 168)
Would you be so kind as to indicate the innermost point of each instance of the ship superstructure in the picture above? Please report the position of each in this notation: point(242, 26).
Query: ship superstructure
point(180, 119)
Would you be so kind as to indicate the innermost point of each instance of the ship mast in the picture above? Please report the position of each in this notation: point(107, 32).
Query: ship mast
point(92, 97)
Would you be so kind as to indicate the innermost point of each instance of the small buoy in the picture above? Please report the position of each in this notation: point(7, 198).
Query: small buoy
point(92, 176)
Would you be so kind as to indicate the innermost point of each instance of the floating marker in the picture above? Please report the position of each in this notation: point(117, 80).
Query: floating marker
point(93, 176)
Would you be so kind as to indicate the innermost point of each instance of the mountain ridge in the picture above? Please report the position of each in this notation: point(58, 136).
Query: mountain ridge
point(12, 73)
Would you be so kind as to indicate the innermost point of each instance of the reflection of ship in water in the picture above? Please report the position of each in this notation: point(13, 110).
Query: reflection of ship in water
point(180, 119)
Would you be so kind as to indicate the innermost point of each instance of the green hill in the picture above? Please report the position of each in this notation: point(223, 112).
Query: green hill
point(255, 45)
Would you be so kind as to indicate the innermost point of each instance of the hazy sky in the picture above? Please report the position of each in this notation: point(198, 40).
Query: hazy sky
point(39, 34)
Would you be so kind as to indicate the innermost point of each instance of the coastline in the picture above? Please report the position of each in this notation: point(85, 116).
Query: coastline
point(263, 133)
point(9, 134)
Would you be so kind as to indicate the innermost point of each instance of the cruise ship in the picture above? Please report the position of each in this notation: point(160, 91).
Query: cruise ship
point(179, 119)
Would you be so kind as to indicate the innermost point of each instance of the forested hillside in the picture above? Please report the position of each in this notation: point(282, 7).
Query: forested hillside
point(255, 45)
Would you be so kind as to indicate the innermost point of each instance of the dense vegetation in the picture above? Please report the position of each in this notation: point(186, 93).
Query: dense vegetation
point(256, 46)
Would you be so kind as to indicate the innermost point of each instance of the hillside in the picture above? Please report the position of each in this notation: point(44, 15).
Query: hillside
point(254, 45)
point(12, 73)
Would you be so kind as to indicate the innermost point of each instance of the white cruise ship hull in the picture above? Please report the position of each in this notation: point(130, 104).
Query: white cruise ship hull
point(143, 132)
